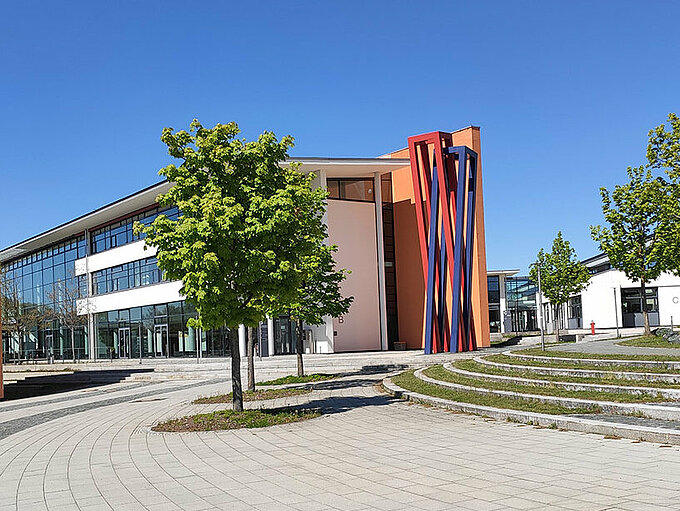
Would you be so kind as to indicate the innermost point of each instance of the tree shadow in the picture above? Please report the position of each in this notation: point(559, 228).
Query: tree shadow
point(43, 385)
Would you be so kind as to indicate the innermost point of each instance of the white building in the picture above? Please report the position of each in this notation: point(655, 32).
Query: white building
point(612, 300)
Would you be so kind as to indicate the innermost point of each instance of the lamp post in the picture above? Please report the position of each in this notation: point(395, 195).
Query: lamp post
point(616, 314)
point(540, 307)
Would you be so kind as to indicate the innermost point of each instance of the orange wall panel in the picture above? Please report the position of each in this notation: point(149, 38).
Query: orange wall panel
point(409, 269)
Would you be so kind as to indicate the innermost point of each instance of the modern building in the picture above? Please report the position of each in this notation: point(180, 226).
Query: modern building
point(130, 311)
point(612, 300)
point(512, 302)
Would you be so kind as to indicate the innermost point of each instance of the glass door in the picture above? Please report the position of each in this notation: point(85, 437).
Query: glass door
point(161, 342)
point(124, 343)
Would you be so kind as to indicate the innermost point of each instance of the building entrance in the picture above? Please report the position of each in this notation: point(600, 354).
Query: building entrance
point(124, 343)
point(161, 343)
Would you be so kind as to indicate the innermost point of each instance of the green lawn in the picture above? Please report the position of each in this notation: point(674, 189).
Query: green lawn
point(559, 364)
point(408, 381)
point(473, 366)
point(249, 395)
point(300, 379)
point(439, 373)
point(650, 341)
point(228, 419)
point(599, 356)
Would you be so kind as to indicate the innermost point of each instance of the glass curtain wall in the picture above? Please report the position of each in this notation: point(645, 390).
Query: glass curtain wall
point(494, 303)
point(520, 294)
point(156, 331)
point(37, 283)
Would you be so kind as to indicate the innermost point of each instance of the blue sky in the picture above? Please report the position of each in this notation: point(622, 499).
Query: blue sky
point(564, 92)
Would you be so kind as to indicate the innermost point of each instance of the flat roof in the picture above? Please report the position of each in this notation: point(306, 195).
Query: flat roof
point(507, 273)
point(334, 167)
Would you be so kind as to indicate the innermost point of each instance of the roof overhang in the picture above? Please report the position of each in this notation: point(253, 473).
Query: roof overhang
point(101, 216)
point(507, 273)
point(334, 167)
point(349, 167)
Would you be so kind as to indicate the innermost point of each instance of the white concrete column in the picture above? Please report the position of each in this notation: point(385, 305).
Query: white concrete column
point(270, 337)
point(242, 340)
point(382, 297)
point(91, 326)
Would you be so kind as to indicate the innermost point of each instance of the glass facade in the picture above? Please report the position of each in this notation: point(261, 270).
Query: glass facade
point(631, 300)
point(158, 331)
point(520, 294)
point(41, 281)
point(126, 276)
point(493, 285)
point(121, 232)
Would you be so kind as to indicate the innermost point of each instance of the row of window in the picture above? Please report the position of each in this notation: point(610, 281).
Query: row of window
point(121, 233)
point(126, 276)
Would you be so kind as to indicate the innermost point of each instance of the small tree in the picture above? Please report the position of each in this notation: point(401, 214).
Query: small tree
point(640, 229)
point(562, 276)
point(318, 296)
point(18, 316)
point(65, 295)
point(245, 221)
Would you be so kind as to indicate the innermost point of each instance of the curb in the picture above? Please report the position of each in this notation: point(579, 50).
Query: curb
point(643, 433)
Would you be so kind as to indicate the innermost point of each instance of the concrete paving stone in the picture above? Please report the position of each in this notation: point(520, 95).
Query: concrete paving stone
point(373, 457)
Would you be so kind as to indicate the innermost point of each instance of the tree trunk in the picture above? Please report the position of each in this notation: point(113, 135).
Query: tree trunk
point(236, 389)
point(556, 319)
point(73, 344)
point(250, 331)
point(299, 348)
point(645, 314)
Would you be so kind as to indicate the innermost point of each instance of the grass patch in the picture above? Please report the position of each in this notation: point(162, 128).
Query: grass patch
point(560, 364)
point(291, 378)
point(228, 419)
point(650, 341)
point(249, 395)
point(474, 366)
point(599, 356)
point(439, 373)
point(408, 381)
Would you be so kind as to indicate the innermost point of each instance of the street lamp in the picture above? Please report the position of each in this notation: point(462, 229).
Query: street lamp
point(540, 308)
point(616, 314)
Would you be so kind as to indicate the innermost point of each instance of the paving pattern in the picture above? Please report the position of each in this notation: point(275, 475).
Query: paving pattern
point(367, 452)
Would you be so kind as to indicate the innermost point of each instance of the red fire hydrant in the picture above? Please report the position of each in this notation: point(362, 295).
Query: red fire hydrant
point(592, 327)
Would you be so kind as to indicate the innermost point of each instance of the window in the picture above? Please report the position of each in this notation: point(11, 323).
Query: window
point(631, 300)
point(130, 275)
point(575, 309)
point(494, 289)
point(121, 233)
point(351, 189)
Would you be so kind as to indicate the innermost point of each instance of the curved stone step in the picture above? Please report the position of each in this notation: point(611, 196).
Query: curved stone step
point(669, 393)
point(663, 412)
point(671, 364)
point(666, 435)
point(587, 373)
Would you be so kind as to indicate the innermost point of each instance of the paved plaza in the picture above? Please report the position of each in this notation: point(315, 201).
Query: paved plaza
point(92, 449)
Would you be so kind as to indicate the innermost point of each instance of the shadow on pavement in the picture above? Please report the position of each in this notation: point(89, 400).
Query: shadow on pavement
point(42, 385)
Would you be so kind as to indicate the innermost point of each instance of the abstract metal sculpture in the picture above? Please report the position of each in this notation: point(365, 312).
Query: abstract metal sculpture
point(444, 182)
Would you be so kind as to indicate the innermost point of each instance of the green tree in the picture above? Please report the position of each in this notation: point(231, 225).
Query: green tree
point(663, 149)
point(562, 275)
point(640, 233)
point(18, 317)
point(319, 294)
point(244, 224)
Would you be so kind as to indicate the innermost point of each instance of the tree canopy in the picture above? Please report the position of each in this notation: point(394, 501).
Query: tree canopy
point(562, 274)
point(245, 224)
